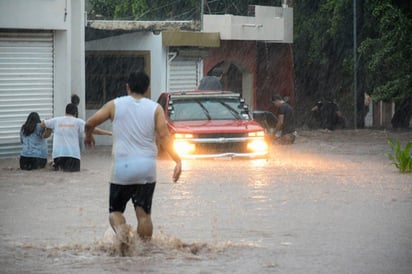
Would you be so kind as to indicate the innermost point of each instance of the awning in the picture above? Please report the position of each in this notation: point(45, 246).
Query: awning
point(190, 39)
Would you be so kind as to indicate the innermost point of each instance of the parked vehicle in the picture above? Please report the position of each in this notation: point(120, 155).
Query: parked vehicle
point(212, 124)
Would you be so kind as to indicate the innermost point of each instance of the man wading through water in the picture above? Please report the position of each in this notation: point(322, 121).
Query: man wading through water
point(284, 131)
point(137, 123)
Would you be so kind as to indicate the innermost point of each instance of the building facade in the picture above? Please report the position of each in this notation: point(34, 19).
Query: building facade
point(255, 53)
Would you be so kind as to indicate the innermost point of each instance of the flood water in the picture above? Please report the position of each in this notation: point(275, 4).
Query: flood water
point(297, 212)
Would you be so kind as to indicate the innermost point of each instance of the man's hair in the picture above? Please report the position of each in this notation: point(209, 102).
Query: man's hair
point(71, 109)
point(276, 98)
point(138, 82)
point(216, 72)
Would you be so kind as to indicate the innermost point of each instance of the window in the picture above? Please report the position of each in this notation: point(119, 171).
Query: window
point(106, 76)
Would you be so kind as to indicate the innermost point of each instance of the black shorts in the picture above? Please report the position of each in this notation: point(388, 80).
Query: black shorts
point(66, 164)
point(29, 163)
point(141, 195)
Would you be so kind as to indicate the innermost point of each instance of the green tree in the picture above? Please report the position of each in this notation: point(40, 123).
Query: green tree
point(387, 51)
point(323, 51)
point(323, 54)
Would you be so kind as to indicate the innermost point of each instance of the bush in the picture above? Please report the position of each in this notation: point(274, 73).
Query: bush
point(401, 158)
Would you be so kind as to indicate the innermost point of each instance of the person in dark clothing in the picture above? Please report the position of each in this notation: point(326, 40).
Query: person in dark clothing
point(284, 131)
point(328, 114)
point(212, 82)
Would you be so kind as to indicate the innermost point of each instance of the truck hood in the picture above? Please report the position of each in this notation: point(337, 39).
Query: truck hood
point(214, 126)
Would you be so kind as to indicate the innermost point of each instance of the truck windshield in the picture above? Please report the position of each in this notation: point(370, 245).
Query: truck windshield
point(207, 109)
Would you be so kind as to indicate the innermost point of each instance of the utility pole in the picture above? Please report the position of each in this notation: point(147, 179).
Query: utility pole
point(355, 70)
point(202, 5)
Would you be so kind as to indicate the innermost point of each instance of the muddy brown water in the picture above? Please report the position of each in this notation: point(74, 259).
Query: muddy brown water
point(331, 203)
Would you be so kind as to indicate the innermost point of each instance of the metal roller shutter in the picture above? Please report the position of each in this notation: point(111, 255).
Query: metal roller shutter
point(26, 83)
point(184, 74)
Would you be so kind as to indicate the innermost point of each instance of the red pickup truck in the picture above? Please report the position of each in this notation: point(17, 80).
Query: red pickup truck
point(212, 124)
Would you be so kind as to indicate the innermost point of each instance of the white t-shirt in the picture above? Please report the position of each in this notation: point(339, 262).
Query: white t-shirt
point(67, 130)
point(134, 147)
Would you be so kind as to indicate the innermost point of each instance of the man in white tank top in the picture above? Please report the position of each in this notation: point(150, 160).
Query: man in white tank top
point(137, 123)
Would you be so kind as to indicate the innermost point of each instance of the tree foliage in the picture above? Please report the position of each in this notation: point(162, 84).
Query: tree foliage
point(387, 51)
point(322, 54)
point(323, 49)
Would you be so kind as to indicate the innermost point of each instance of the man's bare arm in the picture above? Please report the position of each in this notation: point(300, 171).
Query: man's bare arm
point(166, 141)
point(100, 131)
point(103, 114)
point(47, 132)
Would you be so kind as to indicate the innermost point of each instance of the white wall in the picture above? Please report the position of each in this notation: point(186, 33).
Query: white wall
point(272, 24)
point(139, 41)
point(77, 35)
point(62, 72)
point(35, 14)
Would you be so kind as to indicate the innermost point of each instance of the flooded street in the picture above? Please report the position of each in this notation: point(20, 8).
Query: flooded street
point(331, 203)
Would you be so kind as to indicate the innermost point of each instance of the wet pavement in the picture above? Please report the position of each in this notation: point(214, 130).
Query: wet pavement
point(331, 203)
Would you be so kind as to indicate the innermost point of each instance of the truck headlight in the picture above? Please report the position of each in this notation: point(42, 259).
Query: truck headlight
point(258, 145)
point(183, 147)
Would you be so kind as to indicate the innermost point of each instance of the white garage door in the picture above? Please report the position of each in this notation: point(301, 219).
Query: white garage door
point(26, 83)
point(184, 74)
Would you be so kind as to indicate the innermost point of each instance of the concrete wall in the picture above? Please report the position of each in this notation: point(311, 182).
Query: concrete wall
point(77, 60)
point(272, 24)
point(139, 41)
point(274, 75)
point(267, 69)
point(242, 54)
point(36, 14)
point(62, 72)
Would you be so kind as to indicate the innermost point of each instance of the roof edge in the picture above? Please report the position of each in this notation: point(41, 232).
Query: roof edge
point(144, 25)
